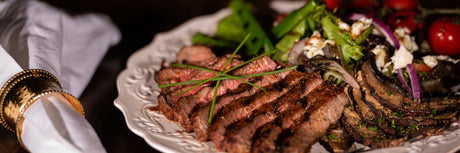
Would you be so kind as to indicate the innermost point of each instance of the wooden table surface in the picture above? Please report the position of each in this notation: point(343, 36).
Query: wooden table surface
point(138, 21)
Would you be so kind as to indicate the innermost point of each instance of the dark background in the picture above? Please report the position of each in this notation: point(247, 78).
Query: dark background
point(138, 21)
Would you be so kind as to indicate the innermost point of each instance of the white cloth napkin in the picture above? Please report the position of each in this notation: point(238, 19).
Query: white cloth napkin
point(34, 35)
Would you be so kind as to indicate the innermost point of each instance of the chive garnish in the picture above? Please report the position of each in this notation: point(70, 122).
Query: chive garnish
point(331, 136)
point(222, 75)
point(211, 110)
point(227, 78)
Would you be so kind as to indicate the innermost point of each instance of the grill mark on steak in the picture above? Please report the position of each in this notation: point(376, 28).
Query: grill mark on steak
point(199, 117)
point(326, 109)
point(312, 82)
point(243, 108)
point(294, 116)
point(286, 120)
point(239, 135)
point(185, 105)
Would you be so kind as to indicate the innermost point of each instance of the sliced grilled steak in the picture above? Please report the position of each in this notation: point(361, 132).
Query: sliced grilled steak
point(265, 140)
point(244, 107)
point(239, 136)
point(266, 137)
point(199, 117)
point(190, 54)
point(367, 135)
point(383, 116)
point(179, 74)
point(386, 93)
point(400, 115)
point(325, 110)
point(185, 105)
point(367, 114)
point(168, 100)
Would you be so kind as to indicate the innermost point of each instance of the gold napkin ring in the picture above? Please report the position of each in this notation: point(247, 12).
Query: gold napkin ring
point(22, 90)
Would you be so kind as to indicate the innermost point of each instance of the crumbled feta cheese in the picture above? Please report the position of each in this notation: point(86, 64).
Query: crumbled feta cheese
point(331, 42)
point(343, 26)
point(430, 60)
point(315, 44)
point(447, 58)
point(360, 26)
point(401, 58)
point(405, 39)
point(380, 53)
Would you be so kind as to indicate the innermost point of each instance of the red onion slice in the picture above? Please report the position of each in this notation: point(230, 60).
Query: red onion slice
point(296, 51)
point(386, 31)
point(403, 81)
point(414, 82)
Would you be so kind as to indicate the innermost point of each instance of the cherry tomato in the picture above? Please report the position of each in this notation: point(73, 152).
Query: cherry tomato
point(331, 5)
point(401, 4)
point(444, 36)
point(404, 19)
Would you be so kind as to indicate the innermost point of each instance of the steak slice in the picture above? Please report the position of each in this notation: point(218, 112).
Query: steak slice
point(244, 107)
point(325, 110)
point(190, 54)
point(266, 137)
point(168, 99)
point(217, 66)
point(199, 117)
point(185, 105)
point(365, 134)
point(396, 115)
point(239, 137)
point(180, 74)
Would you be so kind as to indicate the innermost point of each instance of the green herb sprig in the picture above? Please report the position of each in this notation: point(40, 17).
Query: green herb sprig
point(222, 75)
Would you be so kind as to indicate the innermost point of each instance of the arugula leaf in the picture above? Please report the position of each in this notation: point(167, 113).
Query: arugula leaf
point(350, 50)
point(231, 28)
point(258, 39)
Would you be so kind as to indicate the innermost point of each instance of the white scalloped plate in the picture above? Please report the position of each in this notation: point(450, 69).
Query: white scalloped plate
point(138, 91)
